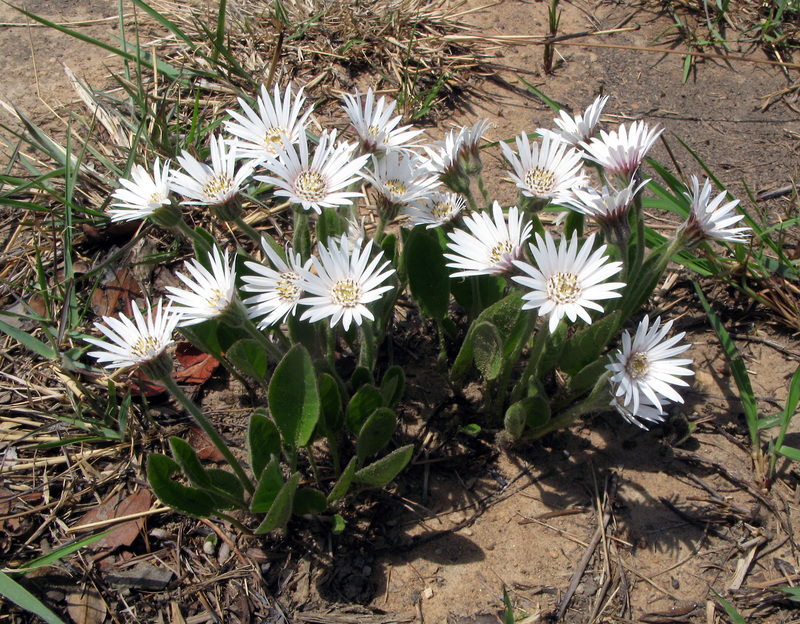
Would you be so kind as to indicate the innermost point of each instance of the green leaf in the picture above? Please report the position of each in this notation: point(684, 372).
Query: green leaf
point(281, 510)
point(363, 403)
point(294, 397)
point(249, 357)
point(269, 485)
point(339, 524)
point(508, 613)
point(28, 341)
point(305, 333)
point(587, 377)
point(392, 386)
point(229, 483)
point(59, 553)
point(309, 501)
point(188, 500)
point(362, 376)
point(329, 225)
point(263, 441)
point(428, 276)
point(733, 614)
point(189, 462)
point(488, 287)
point(790, 452)
point(514, 420)
point(792, 592)
point(381, 472)
point(20, 596)
point(376, 433)
point(344, 482)
point(332, 417)
point(587, 344)
point(487, 349)
point(553, 349)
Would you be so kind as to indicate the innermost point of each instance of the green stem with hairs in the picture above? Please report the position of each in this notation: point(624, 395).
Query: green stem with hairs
point(186, 230)
point(484, 191)
point(301, 238)
point(509, 362)
point(251, 231)
point(270, 347)
point(366, 353)
point(597, 399)
point(533, 362)
point(216, 439)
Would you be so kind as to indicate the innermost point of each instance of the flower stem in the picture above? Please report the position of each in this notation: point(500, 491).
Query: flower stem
point(270, 347)
point(508, 365)
point(201, 243)
point(484, 191)
point(596, 400)
point(533, 362)
point(248, 229)
point(174, 389)
point(366, 354)
point(301, 238)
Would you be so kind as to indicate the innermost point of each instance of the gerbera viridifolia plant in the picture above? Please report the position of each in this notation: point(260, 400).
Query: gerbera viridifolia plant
point(469, 153)
point(621, 152)
point(218, 185)
point(314, 183)
point(262, 134)
point(574, 129)
point(212, 295)
point(376, 124)
point(445, 162)
point(146, 196)
point(344, 281)
point(277, 287)
point(544, 173)
point(398, 180)
point(645, 369)
point(436, 210)
point(610, 209)
point(711, 218)
point(143, 343)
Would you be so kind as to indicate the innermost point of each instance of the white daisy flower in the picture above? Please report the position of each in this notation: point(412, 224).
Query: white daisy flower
point(490, 246)
point(262, 134)
point(573, 130)
point(211, 293)
point(710, 218)
point(401, 178)
point(377, 130)
point(621, 153)
point(135, 343)
point(215, 185)
point(646, 366)
point(143, 194)
point(437, 209)
point(568, 280)
point(316, 183)
point(470, 148)
point(279, 288)
point(647, 411)
point(445, 161)
point(550, 171)
point(344, 283)
point(609, 207)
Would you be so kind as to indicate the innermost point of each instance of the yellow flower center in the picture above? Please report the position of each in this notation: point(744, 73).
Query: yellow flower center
point(441, 211)
point(288, 286)
point(217, 185)
point(563, 288)
point(373, 131)
point(500, 250)
point(311, 186)
point(216, 298)
point(396, 187)
point(540, 181)
point(145, 346)
point(272, 139)
point(638, 365)
point(346, 293)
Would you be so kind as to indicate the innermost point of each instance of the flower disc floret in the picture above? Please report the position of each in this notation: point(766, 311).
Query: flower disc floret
point(567, 281)
point(490, 246)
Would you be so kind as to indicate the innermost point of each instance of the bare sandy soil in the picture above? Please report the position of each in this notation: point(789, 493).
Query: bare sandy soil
point(664, 523)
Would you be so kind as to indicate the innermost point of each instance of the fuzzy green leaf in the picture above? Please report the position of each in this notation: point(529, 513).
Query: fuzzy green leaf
point(189, 462)
point(487, 349)
point(392, 386)
point(587, 344)
point(269, 485)
point(364, 402)
point(428, 276)
point(281, 510)
point(249, 357)
point(263, 441)
point(381, 472)
point(294, 397)
point(188, 500)
point(376, 433)
point(309, 501)
point(344, 482)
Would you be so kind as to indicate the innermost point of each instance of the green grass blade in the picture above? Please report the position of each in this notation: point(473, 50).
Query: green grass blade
point(738, 369)
point(733, 614)
point(28, 341)
point(551, 103)
point(220, 38)
point(17, 594)
point(63, 551)
point(166, 23)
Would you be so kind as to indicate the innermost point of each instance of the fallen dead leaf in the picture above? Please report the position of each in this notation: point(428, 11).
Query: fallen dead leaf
point(203, 446)
point(196, 366)
point(86, 606)
point(114, 296)
point(125, 533)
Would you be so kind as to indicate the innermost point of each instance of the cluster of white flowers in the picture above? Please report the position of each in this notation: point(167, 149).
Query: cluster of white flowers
point(273, 145)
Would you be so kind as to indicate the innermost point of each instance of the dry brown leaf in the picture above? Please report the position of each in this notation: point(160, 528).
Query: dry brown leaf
point(117, 506)
point(196, 366)
point(203, 446)
point(115, 296)
point(86, 606)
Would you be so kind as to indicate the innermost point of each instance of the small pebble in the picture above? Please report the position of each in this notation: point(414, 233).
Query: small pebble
point(427, 593)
